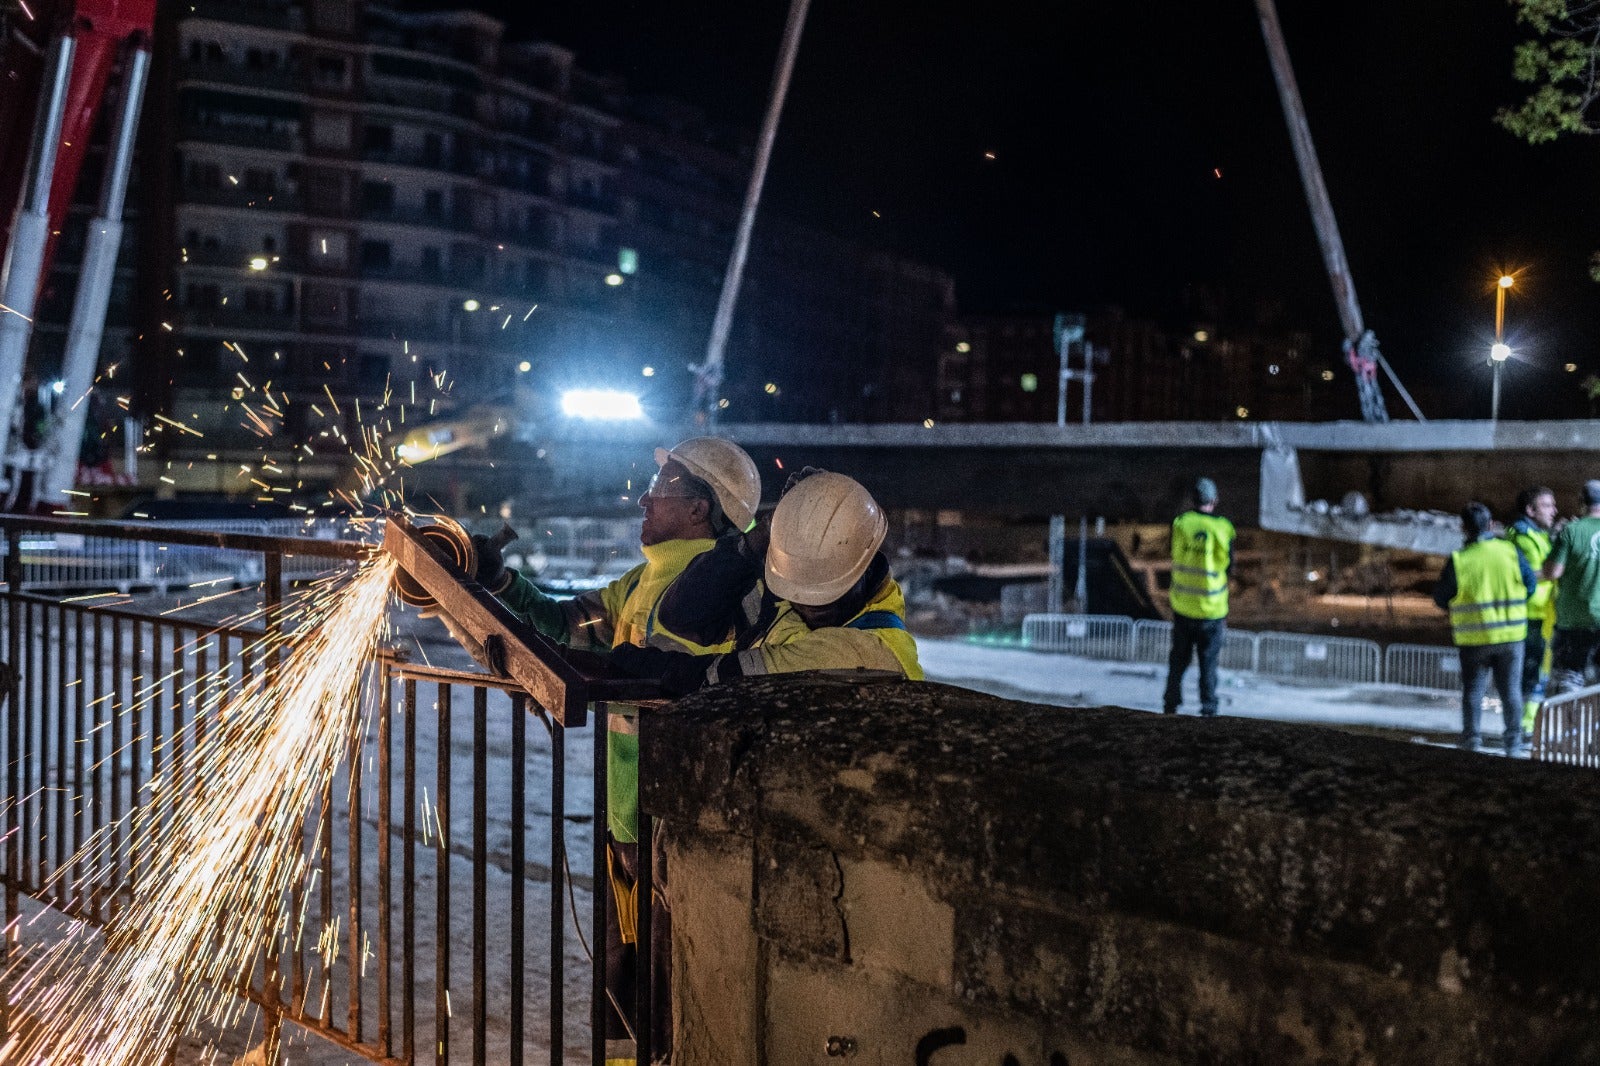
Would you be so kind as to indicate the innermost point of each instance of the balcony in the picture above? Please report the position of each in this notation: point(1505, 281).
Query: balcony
point(238, 197)
point(414, 273)
point(603, 202)
point(454, 221)
point(227, 318)
point(422, 96)
point(423, 158)
point(281, 79)
point(272, 16)
point(241, 135)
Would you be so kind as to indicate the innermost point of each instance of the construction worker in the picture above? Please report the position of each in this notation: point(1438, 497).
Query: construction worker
point(704, 488)
point(1530, 533)
point(1202, 558)
point(830, 602)
point(1575, 562)
point(1485, 586)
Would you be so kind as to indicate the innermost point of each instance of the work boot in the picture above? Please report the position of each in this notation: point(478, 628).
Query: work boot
point(1468, 742)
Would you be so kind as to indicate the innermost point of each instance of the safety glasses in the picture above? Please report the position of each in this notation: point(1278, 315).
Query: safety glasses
point(664, 486)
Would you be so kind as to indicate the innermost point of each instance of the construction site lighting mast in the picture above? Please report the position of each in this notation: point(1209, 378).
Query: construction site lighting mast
point(1360, 344)
point(86, 41)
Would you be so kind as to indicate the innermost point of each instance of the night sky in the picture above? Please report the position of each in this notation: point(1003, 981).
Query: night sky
point(1109, 124)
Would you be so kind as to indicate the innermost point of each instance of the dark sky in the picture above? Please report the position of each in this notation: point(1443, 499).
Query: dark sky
point(1109, 123)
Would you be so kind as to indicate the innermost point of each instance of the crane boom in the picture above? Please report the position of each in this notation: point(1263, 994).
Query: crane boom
point(87, 40)
point(1360, 344)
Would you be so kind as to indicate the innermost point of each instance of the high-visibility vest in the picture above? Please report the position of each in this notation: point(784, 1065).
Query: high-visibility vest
point(1201, 547)
point(1491, 602)
point(1535, 544)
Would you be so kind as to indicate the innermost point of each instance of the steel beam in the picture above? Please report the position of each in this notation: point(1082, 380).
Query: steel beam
point(502, 643)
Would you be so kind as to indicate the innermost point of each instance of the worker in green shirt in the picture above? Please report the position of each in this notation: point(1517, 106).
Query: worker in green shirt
point(1575, 562)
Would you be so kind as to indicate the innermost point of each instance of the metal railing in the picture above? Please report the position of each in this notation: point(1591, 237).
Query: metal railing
point(1317, 658)
point(1093, 636)
point(444, 859)
point(1152, 640)
point(1285, 655)
point(1567, 729)
point(1422, 666)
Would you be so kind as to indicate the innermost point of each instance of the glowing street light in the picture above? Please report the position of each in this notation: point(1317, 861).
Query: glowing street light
point(1499, 352)
point(601, 405)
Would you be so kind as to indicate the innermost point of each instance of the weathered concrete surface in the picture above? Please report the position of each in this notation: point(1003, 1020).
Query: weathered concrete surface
point(1109, 886)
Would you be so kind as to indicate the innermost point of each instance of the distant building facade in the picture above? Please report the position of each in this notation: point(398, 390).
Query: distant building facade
point(341, 197)
point(1004, 368)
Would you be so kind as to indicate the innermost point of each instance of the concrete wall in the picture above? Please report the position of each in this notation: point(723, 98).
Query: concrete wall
point(914, 873)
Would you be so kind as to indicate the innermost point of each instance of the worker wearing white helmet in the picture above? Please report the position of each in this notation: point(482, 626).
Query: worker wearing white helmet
point(704, 488)
point(830, 602)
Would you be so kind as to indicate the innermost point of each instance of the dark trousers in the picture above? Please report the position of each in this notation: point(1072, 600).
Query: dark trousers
point(1572, 652)
point(622, 960)
point(1191, 637)
point(1504, 663)
point(1533, 664)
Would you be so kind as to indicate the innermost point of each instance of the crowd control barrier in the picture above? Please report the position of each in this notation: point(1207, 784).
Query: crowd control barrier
point(1093, 636)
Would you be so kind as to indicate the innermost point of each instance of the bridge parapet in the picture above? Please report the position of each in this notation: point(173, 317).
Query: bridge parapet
point(900, 867)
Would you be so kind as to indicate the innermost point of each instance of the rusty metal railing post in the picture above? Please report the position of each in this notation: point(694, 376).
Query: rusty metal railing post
point(272, 605)
point(14, 714)
point(602, 885)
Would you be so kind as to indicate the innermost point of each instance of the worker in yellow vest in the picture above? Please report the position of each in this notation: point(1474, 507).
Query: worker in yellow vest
point(1202, 557)
point(705, 490)
point(1485, 586)
point(829, 601)
point(1531, 535)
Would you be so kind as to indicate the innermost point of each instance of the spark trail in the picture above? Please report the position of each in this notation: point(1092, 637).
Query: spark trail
point(219, 851)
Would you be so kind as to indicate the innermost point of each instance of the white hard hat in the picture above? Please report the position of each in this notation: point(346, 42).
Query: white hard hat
point(824, 534)
point(724, 466)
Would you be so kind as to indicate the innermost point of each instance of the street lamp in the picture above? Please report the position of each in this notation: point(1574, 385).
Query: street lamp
point(1499, 352)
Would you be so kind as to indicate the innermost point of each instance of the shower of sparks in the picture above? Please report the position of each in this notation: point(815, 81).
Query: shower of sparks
point(218, 851)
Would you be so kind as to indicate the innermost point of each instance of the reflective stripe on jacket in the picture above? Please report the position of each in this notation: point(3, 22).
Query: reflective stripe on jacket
point(1202, 548)
point(1491, 601)
point(876, 639)
point(624, 612)
point(1535, 544)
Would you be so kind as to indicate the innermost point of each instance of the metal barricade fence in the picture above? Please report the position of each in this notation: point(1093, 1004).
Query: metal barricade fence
point(1152, 641)
point(1567, 729)
point(1422, 666)
point(1317, 658)
point(1094, 636)
point(444, 860)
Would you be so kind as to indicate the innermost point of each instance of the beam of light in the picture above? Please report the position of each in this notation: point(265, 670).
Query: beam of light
point(218, 851)
point(601, 405)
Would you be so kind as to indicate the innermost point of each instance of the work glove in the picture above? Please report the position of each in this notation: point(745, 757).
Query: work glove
point(491, 572)
point(678, 672)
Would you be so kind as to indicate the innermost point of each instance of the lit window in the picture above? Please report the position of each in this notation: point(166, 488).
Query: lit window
point(1030, 382)
point(1201, 336)
point(1242, 412)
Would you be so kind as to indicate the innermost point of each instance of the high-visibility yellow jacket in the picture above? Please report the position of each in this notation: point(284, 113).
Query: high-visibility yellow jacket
point(1535, 544)
point(876, 638)
point(1491, 601)
point(1202, 551)
point(624, 612)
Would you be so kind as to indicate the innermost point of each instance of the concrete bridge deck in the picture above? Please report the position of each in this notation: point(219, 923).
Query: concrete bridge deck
point(1132, 471)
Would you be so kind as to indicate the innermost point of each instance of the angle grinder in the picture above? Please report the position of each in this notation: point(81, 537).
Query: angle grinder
point(450, 539)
